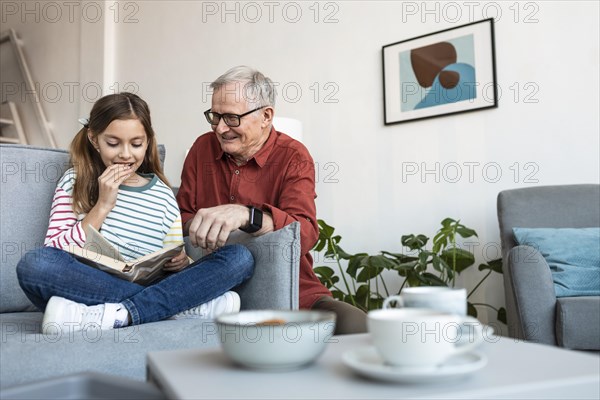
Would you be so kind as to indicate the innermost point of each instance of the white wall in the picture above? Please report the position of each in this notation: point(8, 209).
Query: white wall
point(545, 130)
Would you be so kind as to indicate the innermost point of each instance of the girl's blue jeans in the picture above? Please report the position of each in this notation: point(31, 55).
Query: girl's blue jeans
point(49, 271)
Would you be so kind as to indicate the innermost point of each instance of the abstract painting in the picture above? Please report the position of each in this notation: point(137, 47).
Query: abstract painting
point(446, 72)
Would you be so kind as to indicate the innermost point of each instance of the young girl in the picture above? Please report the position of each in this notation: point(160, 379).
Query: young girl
point(117, 186)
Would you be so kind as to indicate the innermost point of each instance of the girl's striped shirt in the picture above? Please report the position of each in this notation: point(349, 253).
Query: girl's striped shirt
point(144, 219)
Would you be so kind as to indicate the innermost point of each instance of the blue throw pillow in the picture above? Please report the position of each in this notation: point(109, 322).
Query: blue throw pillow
point(572, 254)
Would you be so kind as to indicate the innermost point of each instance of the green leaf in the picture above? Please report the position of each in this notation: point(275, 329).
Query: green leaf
point(436, 262)
point(439, 242)
point(372, 266)
point(444, 264)
point(324, 229)
point(423, 257)
point(323, 271)
point(502, 315)
point(382, 262)
point(401, 258)
point(362, 292)
point(375, 303)
point(439, 236)
point(429, 279)
point(412, 278)
point(342, 254)
point(447, 222)
point(361, 298)
point(406, 265)
point(327, 276)
point(339, 295)
point(464, 259)
point(465, 232)
point(320, 245)
point(355, 263)
point(331, 249)
point(367, 299)
point(367, 273)
point(414, 242)
point(494, 265)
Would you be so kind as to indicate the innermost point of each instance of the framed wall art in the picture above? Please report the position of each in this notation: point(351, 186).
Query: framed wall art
point(442, 73)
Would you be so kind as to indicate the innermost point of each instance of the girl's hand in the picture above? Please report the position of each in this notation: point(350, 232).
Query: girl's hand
point(108, 184)
point(177, 263)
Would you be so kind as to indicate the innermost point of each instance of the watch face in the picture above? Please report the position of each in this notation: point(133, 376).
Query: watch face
point(257, 217)
point(255, 220)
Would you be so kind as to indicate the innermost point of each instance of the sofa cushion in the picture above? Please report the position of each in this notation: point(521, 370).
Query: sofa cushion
point(29, 177)
point(578, 322)
point(572, 254)
point(277, 259)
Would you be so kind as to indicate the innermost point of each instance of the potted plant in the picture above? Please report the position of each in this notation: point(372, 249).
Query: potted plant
point(362, 285)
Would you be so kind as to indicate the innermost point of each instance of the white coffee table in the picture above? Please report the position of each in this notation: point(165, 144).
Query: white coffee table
point(514, 370)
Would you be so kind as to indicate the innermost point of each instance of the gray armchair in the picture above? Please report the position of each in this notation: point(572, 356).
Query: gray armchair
point(534, 312)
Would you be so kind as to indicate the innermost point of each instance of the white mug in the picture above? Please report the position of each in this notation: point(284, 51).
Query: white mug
point(421, 338)
point(440, 298)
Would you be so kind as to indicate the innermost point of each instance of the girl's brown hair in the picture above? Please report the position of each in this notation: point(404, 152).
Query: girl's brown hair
point(86, 160)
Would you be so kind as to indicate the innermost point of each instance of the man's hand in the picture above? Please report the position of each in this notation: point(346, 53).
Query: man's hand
point(210, 227)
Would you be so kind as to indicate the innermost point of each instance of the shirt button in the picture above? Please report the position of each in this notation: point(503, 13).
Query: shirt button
point(237, 171)
point(232, 198)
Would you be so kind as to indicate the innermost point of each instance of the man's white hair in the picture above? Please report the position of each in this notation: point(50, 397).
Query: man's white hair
point(258, 90)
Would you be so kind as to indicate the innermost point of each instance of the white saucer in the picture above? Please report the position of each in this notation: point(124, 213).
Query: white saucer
point(367, 362)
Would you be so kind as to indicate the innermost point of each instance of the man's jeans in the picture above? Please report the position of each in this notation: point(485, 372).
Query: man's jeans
point(49, 271)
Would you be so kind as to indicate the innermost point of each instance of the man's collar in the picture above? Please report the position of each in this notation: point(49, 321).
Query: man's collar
point(263, 154)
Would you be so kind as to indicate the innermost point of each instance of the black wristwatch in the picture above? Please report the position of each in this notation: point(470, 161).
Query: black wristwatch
point(256, 217)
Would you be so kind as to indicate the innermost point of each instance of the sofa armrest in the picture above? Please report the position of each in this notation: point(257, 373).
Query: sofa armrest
point(534, 295)
point(275, 282)
point(578, 322)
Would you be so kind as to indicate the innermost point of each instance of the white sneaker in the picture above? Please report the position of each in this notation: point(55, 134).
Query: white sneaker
point(224, 304)
point(64, 315)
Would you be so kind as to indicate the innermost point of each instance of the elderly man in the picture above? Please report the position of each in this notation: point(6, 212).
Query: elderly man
point(245, 175)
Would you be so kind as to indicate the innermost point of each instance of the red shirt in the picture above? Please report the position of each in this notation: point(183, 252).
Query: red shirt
point(280, 179)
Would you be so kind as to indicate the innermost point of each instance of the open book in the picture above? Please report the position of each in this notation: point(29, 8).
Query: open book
point(100, 253)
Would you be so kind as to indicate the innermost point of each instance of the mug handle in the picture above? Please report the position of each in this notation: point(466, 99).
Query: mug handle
point(396, 298)
point(469, 343)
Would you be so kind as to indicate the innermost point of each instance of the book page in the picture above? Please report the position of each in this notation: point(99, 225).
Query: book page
point(97, 260)
point(146, 269)
point(98, 244)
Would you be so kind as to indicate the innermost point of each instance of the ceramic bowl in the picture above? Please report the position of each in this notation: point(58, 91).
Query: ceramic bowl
point(275, 339)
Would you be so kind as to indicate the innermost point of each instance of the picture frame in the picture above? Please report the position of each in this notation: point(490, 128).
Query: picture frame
point(442, 73)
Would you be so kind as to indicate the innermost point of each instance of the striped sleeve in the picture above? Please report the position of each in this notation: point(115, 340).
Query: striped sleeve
point(64, 229)
point(175, 233)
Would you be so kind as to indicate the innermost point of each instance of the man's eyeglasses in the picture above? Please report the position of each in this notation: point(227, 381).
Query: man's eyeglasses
point(231, 120)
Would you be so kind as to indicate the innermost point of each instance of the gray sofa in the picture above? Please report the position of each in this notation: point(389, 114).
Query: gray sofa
point(533, 310)
point(28, 180)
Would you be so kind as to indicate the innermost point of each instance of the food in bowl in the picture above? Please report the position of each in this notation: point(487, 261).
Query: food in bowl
point(272, 321)
point(275, 339)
